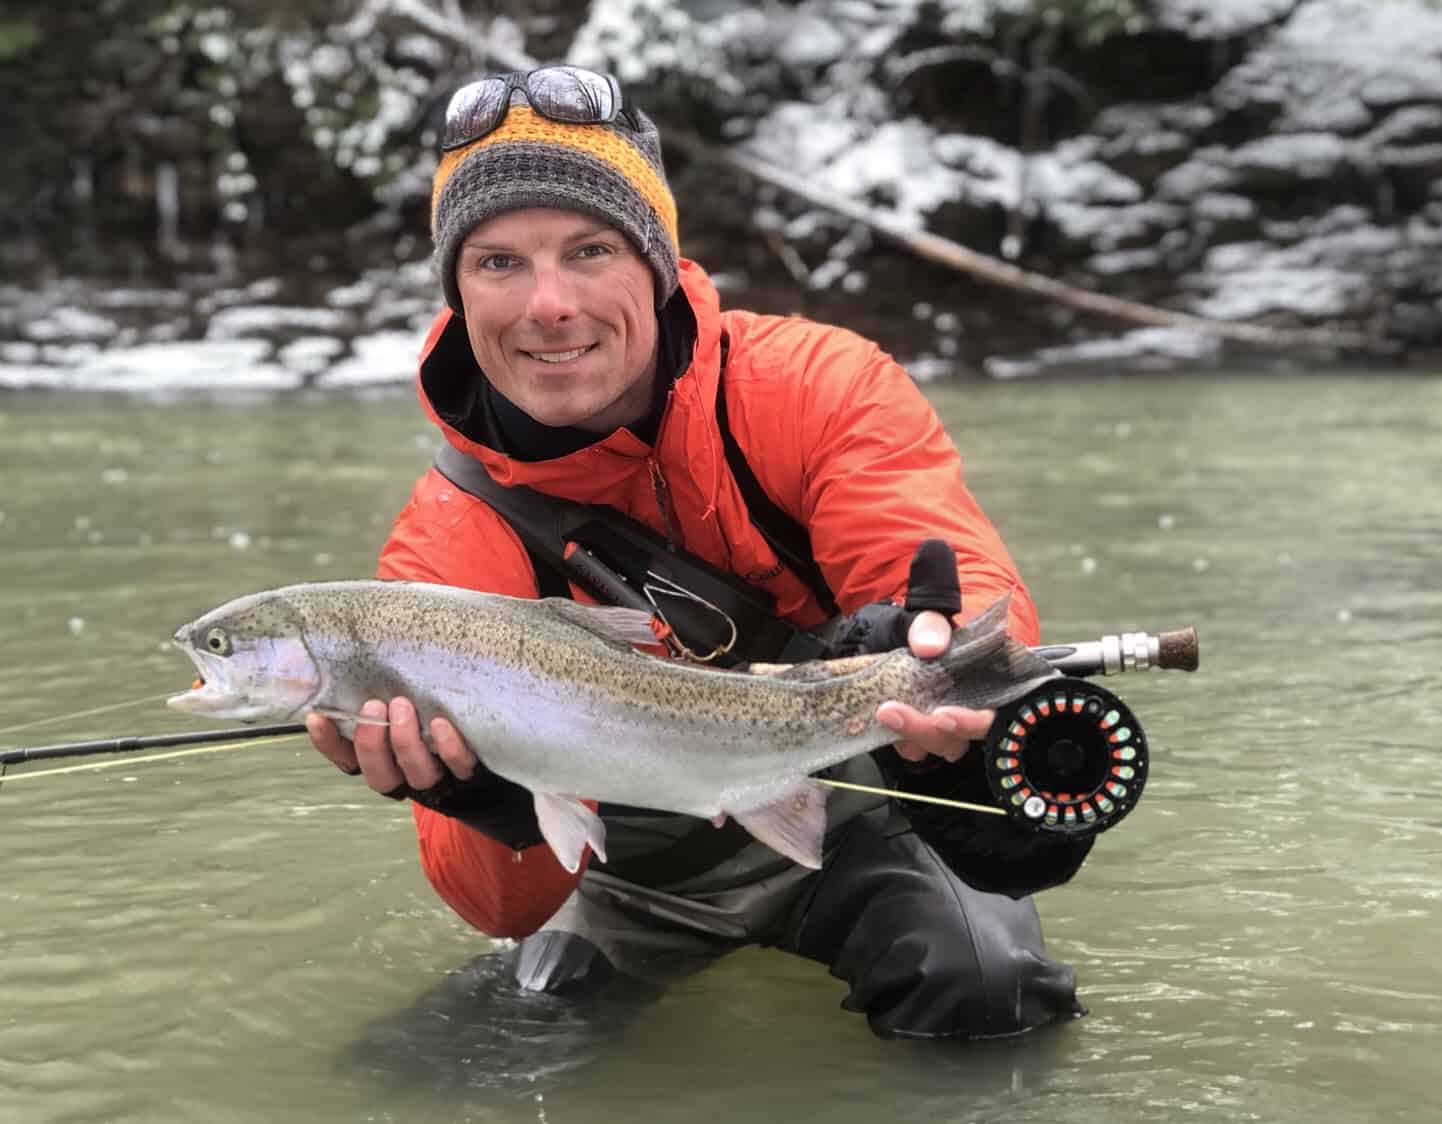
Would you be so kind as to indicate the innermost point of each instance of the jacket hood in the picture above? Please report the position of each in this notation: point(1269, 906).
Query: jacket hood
point(449, 378)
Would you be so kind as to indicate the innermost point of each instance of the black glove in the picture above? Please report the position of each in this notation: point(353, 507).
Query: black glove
point(883, 625)
point(490, 803)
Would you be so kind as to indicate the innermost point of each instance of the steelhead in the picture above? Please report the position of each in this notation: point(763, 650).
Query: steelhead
point(553, 695)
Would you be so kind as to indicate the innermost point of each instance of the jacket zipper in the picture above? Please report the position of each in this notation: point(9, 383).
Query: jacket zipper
point(663, 503)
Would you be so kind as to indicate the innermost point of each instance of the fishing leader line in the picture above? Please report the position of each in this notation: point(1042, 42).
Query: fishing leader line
point(84, 713)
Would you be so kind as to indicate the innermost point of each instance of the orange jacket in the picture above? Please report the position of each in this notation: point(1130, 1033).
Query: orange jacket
point(838, 436)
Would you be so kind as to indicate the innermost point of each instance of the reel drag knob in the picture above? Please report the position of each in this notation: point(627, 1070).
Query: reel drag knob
point(1067, 757)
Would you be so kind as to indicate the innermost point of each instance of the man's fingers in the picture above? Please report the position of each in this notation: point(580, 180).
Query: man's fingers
point(417, 763)
point(373, 750)
point(928, 635)
point(946, 732)
point(391, 751)
point(334, 748)
point(971, 725)
point(452, 749)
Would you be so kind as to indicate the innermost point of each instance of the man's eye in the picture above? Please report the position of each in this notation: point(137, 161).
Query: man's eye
point(496, 262)
point(593, 250)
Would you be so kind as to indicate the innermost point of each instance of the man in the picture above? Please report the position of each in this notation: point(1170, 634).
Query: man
point(582, 356)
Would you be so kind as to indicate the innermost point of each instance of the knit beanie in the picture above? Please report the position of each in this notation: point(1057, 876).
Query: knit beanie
point(612, 172)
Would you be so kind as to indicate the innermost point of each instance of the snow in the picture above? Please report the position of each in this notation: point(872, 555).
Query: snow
point(1298, 156)
point(231, 365)
point(386, 357)
point(1142, 349)
point(233, 323)
point(1219, 19)
point(1336, 62)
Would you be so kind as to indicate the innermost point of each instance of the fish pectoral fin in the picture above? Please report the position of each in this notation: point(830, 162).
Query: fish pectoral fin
point(567, 826)
point(793, 824)
point(348, 716)
point(609, 622)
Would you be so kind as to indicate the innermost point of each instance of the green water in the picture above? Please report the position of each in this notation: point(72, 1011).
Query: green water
point(246, 935)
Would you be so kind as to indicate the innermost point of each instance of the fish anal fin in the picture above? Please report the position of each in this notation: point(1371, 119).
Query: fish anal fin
point(610, 622)
point(794, 824)
point(567, 826)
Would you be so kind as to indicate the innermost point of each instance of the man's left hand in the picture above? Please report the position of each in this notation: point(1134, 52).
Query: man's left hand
point(948, 730)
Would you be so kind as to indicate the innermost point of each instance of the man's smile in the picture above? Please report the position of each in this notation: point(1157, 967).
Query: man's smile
point(558, 356)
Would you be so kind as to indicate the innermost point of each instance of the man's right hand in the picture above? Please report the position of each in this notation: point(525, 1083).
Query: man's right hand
point(445, 775)
point(395, 759)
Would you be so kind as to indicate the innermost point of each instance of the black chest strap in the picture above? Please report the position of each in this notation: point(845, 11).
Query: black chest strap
point(785, 535)
point(551, 528)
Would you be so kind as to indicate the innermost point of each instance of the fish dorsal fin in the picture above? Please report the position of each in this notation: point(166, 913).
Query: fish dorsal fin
point(610, 622)
point(793, 824)
point(567, 826)
point(816, 671)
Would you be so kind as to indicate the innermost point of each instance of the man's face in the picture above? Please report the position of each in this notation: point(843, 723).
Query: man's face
point(560, 312)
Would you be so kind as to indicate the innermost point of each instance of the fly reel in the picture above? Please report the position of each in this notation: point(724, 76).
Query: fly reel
point(1068, 757)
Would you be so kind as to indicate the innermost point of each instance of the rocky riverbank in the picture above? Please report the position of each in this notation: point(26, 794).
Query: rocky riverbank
point(1269, 161)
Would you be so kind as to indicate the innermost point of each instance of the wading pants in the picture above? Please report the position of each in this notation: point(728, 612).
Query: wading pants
point(924, 954)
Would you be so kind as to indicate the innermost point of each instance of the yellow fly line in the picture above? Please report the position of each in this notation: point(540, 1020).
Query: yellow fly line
point(989, 809)
point(125, 762)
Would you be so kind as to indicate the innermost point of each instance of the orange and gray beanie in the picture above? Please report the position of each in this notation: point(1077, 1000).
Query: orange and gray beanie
point(612, 172)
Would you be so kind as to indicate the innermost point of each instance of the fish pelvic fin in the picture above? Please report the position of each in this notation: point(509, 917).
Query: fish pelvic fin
point(794, 824)
point(568, 825)
point(985, 667)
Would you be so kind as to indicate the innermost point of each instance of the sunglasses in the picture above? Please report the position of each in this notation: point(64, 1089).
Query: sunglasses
point(571, 95)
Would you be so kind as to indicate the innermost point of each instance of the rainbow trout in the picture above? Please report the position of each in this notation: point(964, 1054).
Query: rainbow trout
point(553, 695)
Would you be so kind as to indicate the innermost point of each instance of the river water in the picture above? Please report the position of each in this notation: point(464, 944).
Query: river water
point(246, 935)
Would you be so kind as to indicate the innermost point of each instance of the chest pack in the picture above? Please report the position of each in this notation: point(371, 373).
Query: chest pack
point(716, 615)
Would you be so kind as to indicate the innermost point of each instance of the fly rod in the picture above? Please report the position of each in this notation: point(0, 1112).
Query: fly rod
point(1111, 655)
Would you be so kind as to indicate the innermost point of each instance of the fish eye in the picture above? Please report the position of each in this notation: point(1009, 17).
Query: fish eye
point(218, 641)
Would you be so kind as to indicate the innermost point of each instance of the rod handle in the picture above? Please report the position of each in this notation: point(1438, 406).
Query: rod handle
point(1179, 650)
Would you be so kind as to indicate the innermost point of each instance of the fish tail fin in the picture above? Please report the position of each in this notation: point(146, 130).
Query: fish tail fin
point(985, 667)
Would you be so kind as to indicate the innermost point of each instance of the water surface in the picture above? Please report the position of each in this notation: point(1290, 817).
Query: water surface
point(247, 936)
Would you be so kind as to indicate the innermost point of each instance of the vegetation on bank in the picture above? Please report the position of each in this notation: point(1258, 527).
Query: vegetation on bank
point(174, 117)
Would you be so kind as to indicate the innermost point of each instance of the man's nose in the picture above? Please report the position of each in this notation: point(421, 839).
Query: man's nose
point(553, 295)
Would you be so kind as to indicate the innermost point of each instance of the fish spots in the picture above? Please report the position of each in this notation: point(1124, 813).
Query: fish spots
point(856, 724)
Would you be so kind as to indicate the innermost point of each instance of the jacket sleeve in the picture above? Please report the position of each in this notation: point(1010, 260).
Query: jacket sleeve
point(862, 460)
point(877, 475)
point(448, 537)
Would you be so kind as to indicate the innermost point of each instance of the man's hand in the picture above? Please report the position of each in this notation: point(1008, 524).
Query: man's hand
point(394, 758)
point(947, 730)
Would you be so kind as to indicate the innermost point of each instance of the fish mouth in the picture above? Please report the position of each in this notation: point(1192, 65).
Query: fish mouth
point(210, 694)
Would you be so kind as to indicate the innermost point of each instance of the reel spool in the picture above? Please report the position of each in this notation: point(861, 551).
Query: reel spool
point(1068, 757)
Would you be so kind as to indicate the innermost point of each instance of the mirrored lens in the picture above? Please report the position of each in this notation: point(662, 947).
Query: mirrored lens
point(569, 93)
point(474, 111)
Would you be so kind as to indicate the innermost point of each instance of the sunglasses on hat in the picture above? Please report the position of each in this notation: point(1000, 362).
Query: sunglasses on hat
point(571, 95)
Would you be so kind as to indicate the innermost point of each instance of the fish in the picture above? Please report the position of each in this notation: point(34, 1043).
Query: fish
point(556, 696)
